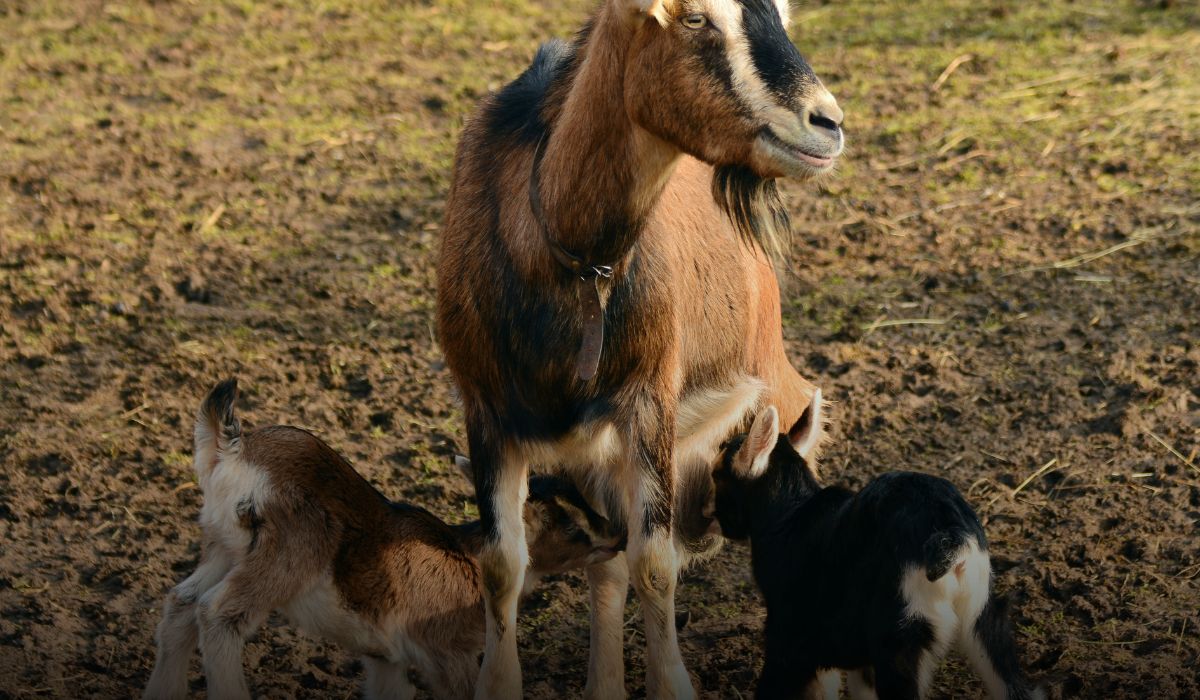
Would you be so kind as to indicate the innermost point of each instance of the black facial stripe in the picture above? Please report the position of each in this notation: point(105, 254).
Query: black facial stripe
point(775, 58)
point(714, 61)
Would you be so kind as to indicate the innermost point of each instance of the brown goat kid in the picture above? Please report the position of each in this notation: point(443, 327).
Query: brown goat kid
point(289, 525)
point(605, 301)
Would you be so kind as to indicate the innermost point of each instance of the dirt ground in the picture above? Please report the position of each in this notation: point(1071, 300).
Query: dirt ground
point(1001, 286)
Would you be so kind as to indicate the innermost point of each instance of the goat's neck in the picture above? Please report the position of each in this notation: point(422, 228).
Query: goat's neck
point(470, 535)
point(601, 174)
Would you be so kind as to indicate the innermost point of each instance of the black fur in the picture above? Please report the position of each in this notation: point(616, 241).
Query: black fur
point(994, 629)
point(516, 110)
point(775, 58)
point(753, 205)
point(829, 563)
point(218, 410)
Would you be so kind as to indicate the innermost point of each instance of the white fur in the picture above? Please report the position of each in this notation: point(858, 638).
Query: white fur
point(319, 613)
point(811, 437)
point(951, 605)
point(976, 575)
point(708, 416)
point(933, 602)
point(500, 676)
point(727, 16)
point(785, 11)
point(231, 482)
point(831, 683)
point(598, 455)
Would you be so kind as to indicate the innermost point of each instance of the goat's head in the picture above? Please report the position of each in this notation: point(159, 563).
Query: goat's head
point(751, 466)
point(565, 532)
point(721, 80)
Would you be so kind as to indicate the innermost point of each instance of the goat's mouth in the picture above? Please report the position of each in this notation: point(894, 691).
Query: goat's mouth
point(798, 159)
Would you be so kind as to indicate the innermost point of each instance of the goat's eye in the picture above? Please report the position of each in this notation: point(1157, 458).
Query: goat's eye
point(696, 21)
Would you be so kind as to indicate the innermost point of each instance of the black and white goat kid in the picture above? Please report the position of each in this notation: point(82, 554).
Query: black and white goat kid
point(881, 583)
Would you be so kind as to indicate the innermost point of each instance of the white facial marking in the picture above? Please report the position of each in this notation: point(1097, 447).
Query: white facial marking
point(785, 12)
point(726, 16)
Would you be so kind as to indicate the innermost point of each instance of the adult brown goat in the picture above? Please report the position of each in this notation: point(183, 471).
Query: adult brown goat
point(606, 300)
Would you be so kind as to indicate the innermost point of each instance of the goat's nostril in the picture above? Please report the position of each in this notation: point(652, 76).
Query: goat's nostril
point(822, 122)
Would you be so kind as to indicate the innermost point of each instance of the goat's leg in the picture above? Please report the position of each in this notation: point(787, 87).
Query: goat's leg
point(860, 684)
point(900, 678)
point(225, 621)
point(177, 634)
point(453, 676)
point(653, 559)
point(387, 680)
point(989, 646)
point(786, 674)
point(608, 585)
point(830, 680)
point(274, 571)
point(500, 491)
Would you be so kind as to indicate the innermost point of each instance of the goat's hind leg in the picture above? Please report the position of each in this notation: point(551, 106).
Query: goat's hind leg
point(453, 676)
point(988, 644)
point(177, 633)
point(905, 676)
point(386, 680)
point(229, 612)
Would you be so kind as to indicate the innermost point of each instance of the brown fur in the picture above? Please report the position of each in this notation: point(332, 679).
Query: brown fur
point(631, 128)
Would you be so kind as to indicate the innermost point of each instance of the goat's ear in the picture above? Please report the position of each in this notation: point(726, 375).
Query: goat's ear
point(755, 452)
point(464, 466)
point(807, 429)
point(660, 10)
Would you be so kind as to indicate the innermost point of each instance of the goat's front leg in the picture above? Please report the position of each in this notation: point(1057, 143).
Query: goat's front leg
point(653, 558)
point(177, 634)
point(500, 491)
point(608, 585)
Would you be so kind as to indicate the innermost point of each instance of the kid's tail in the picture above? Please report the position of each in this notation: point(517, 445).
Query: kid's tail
point(218, 432)
point(943, 550)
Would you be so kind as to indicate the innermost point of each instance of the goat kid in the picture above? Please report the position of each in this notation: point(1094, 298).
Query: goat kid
point(289, 525)
point(881, 583)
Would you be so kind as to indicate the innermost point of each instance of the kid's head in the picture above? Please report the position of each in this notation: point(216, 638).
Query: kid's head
point(754, 469)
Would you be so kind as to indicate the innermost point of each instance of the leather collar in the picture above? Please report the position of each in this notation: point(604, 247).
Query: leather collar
point(587, 361)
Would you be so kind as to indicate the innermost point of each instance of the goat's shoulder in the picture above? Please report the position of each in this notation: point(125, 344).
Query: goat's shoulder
point(516, 110)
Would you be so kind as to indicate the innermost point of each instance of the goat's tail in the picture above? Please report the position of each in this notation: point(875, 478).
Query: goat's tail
point(218, 431)
point(992, 651)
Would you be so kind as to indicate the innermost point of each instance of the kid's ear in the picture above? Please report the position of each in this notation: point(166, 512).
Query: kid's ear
point(464, 466)
point(755, 452)
point(807, 430)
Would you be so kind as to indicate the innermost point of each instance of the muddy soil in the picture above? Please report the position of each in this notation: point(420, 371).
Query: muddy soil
point(1021, 319)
